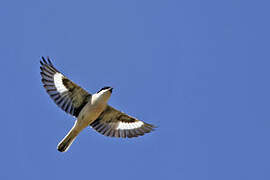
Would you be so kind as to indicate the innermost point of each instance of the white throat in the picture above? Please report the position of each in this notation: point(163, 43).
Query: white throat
point(101, 98)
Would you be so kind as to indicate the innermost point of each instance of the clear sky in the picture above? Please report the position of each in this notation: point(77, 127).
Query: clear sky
point(198, 69)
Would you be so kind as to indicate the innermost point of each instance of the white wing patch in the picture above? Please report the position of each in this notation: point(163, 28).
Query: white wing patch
point(67, 95)
point(114, 123)
point(131, 125)
point(58, 82)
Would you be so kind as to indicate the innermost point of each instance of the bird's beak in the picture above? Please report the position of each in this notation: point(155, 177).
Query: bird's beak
point(111, 90)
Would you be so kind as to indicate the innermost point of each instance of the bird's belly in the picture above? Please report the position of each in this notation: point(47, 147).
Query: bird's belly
point(89, 114)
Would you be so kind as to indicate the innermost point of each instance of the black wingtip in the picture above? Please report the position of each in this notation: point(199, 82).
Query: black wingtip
point(154, 127)
point(150, 126)
point(44, 60)
point(48, 58)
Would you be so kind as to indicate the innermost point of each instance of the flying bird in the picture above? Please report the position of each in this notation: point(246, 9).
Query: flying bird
point(89, 109)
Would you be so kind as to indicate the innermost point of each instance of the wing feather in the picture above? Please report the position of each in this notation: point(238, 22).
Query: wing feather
point(67, 95)
point(115, 123)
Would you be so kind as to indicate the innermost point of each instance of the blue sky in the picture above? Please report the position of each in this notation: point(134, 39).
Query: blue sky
point(199, 70)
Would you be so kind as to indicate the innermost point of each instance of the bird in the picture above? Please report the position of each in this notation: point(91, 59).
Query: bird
point(88, 109)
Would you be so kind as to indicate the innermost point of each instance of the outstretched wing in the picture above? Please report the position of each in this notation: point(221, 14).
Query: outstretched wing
point(114, 123)
point(66, 94)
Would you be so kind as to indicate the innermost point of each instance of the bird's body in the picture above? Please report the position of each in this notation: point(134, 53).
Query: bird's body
point(89, 113)
point(89, 109)
point(92, 109)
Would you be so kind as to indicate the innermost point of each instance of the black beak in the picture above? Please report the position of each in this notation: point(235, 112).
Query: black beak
point(111, 89)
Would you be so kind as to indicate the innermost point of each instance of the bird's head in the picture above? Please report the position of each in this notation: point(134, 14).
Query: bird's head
point(105, 91)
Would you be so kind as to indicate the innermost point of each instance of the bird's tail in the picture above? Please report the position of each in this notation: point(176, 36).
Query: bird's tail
point(67, 141)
